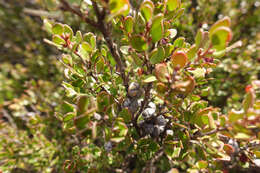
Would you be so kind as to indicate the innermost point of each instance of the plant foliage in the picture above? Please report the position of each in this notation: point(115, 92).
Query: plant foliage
point(136, 86)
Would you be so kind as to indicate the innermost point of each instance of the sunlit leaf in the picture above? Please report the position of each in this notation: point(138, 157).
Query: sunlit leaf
point(157, 29)
point(57, 29)
point(139, 43)
point(149, 79)
point(226, 22)
point(119, 7)
point(173, 4)
point(157, 55)
point(220, 37)
point(161, 72)
point(128, 23)
point(179, 59)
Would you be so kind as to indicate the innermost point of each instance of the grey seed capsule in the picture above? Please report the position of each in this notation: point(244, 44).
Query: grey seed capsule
point(148, 113)
point(160, 120)
point(156, 131)
point(133, 106)
point(169, 132)
point(134, 90)
point(161, 128)
point(152, 105)
point(126, 103)
point(148, 128)
point(234, 144)
point(108, 146)
point(97, 116)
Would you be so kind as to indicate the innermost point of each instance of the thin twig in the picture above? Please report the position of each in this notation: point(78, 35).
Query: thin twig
point(210, 132)
point(143, 106)
point(41, 13)
point(104, 29)
point(66, 7)
point(150, 163)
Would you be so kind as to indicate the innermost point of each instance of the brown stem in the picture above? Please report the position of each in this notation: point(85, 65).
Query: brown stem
point(144, 104)
point(150, 163)
point(66, 7)
point(104, 29)
point(210, 132)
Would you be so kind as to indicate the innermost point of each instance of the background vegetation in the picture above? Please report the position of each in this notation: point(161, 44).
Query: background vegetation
point(33, 98)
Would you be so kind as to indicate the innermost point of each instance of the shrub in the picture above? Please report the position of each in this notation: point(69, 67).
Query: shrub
point(138, 94)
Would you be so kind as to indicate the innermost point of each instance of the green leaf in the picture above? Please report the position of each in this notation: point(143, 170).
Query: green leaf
point(100, 65)
point(69, 89)
point(111, 59)
point(199, 72)
point(146, 11)
point(172, 152)
point(58, 40)
point(103, 101)
point(117, 139)
point(57, 29)
point(205, 92)
point(119, 7)
point(82, 51)
point(202, 164)
point(68, 31)
point(242, 136)
point(47, 25)
point(124, 49)
point(233, 115)
point(78, 37)
point(149, 3)
point(157, 28)
point(179, 42)
point(220, 37)
point(179, 13)
point(139, 23)
point(226, 22)
point(138, 61)
point(211, 123)
point(81, 122)
point(67, 107)
point(149, 79)
point(128, 24)
point(82, 104)
point(157, 55)
point(93, 41)
point(219, 54)
point(87, 36)
point(139, 43)
point(199, 38)
point(121, 128)
point(126, 115)
point(173, 4)
point(87, 47)
point(249, 100)
point(192, 53)
point(69, 116)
